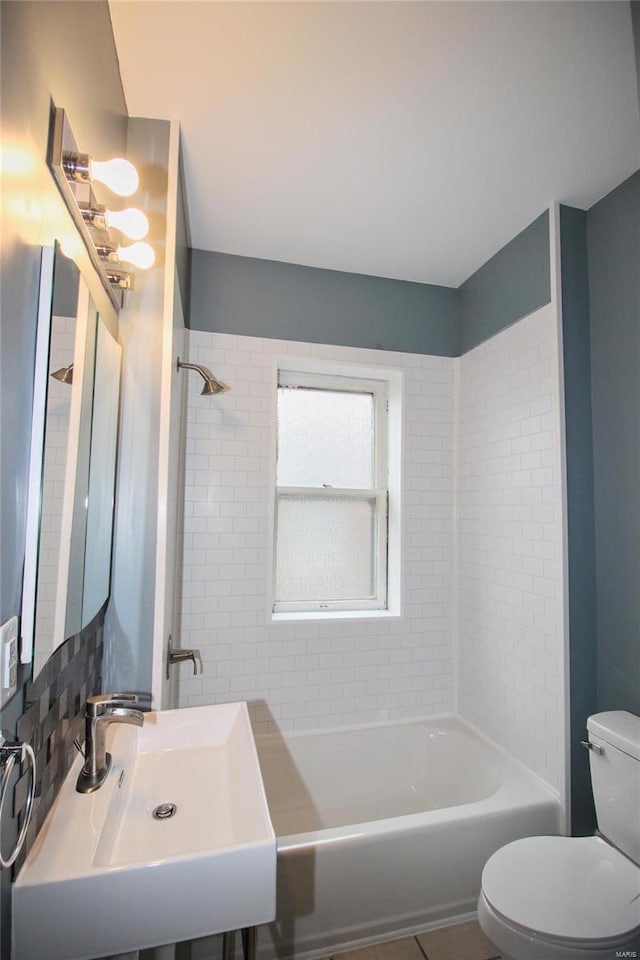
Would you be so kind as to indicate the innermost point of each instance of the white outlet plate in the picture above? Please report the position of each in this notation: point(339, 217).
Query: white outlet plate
point(8, 659)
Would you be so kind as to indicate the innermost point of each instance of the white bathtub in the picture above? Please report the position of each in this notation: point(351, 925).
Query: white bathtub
point(384, 831)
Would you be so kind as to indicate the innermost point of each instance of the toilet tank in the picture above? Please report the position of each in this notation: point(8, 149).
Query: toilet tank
point(615, 778)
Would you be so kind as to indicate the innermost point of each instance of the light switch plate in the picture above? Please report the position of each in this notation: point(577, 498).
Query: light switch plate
point(8, 659)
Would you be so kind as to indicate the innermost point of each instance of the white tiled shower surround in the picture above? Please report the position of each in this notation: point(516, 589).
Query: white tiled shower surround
point(481, 437)
point(509, 545)
point(308, 675)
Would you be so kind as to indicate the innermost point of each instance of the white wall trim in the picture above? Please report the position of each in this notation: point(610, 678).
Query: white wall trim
point(555, 253)
point(163, 608)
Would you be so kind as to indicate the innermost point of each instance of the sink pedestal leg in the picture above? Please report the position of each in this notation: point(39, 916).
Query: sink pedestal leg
point(228, 945)
point(249, 943)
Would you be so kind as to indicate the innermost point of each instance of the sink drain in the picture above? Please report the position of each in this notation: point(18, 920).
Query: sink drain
point(164, 811)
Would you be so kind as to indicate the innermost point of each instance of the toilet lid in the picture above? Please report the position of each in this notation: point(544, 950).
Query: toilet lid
point(578, 888)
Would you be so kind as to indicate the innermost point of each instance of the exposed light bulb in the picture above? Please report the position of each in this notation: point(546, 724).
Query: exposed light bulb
point(141, 255)
point(119, 175)
point(131, 222)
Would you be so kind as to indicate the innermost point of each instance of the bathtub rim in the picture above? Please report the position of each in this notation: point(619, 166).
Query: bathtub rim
point(508, 796)
point(410, 721)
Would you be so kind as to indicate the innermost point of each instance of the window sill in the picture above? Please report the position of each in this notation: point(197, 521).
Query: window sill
point(321, 616)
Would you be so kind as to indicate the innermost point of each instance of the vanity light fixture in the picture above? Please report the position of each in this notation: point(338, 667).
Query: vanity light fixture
point(74, 173)
point(118, 278)
point(139, 255)
point(118, 174)
point(131, 223)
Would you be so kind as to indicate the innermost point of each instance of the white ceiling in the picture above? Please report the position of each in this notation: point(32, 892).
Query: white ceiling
point(407, 140)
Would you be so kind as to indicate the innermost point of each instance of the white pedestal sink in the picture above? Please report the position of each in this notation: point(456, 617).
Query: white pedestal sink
point(106, 877)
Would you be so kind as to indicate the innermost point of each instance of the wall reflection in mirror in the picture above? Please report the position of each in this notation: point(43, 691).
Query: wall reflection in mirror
point(73, 456)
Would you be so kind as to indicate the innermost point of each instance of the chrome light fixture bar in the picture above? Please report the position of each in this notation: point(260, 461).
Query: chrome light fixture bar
point(119, 278)
point(74, 173)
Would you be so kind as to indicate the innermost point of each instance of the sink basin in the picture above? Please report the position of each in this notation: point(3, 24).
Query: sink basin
point(105, 876)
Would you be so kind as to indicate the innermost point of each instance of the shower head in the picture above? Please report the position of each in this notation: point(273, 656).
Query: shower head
point(64, 374)
point(211, 385)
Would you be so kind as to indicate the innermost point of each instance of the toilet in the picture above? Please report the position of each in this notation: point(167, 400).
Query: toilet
point(576, 898)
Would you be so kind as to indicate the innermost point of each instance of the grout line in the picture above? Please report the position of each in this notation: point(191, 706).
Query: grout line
point(421, 949)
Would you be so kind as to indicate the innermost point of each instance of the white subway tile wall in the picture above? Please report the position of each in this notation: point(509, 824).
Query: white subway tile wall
point(510, 594)
point(309, 675)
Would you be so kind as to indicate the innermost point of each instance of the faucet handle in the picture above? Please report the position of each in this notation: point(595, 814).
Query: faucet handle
point(180, 655)
point(98, 703)
point(104, 697)
point(143, 699)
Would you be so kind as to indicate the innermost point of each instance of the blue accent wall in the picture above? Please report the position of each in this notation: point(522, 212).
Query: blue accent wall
point(183, 244)
point(613, 232)
point(580, 518)
point(267, 298)
point(635, 26)
point(65, 287)
point(39, 43)
point(512, 284)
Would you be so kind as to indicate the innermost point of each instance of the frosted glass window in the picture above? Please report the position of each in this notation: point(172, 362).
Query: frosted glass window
point(330, 550)
point(325, 548)
point(325, 438)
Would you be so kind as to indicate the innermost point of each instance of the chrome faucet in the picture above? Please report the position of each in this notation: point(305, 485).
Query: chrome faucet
point(101, 710)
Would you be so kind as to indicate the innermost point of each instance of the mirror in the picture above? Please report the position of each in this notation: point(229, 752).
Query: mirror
point(102, 461)
point(72, 469)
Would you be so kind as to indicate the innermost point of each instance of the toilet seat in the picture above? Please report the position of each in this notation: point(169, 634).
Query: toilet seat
point(517, 943)
point(565, 890)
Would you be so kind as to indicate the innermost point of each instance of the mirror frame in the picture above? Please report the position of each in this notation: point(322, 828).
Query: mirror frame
point(36, 456)
point(87, 313)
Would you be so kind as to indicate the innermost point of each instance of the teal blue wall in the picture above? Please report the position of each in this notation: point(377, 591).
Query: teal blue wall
point(183, 245)
point(39, 42)
point(512, 284)
point(65, 288)
point(580, 516)
point(600, 254)
point(267, 298)
point(613, 233)
point(61, 51)
point(635, 26)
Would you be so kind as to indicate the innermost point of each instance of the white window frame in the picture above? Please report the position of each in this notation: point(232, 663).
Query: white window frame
point(379, 389)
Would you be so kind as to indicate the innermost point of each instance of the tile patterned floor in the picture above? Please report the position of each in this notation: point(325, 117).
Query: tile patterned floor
point(463, 941)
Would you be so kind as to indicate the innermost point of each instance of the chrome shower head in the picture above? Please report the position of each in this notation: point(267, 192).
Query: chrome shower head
point(64, 374)
point(211, 384)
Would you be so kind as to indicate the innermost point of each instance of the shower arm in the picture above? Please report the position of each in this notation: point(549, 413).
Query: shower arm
point(212, 385)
